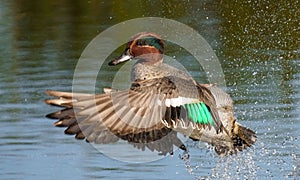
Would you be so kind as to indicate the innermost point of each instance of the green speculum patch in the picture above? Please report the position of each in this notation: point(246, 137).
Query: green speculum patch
point(198, 113)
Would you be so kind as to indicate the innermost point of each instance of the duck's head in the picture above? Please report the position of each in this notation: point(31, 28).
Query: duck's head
point(146, 47)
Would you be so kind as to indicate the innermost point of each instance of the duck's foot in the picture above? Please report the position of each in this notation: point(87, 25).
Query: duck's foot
point(185, 156)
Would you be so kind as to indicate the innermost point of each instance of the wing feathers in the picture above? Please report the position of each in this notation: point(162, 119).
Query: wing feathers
point(65, 122)
point(147, 109)
point(61, 114)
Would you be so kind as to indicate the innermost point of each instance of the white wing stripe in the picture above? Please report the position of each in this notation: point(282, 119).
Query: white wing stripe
point(176, 102)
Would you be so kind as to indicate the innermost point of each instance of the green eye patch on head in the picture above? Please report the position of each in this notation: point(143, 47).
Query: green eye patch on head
point(151, 41)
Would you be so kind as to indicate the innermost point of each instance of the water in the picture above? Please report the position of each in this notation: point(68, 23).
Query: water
point(257, 43)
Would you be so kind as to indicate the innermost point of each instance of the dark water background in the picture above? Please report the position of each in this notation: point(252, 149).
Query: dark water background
point(256, 42)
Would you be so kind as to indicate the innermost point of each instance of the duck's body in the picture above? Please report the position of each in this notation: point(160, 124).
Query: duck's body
point(162, 101)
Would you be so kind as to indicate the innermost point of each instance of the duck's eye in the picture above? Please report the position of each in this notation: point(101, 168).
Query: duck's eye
point(150, 41)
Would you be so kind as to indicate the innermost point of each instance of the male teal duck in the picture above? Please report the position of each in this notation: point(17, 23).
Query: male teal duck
point(161, 102)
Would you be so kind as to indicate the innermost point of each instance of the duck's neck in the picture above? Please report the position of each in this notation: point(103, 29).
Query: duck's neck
point(142, 70)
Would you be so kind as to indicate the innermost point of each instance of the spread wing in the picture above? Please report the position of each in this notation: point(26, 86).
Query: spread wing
point(145, 113)
point(90, 117)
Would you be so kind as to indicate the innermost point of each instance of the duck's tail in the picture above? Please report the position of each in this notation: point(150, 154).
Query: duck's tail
point(242, 137)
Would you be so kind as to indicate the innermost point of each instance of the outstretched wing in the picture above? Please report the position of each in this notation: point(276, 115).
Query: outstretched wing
point(145, 113)
point(98, 118)
point(121, 113)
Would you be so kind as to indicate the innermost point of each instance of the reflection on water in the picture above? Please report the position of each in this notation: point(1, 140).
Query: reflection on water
point(257, 42)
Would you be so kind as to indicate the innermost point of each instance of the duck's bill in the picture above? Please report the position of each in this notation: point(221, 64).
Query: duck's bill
point(124, 57)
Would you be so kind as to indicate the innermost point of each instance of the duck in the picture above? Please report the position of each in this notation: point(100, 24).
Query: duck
point(161, 103)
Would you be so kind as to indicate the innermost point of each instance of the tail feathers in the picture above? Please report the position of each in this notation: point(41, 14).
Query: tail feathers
point(243, 137)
